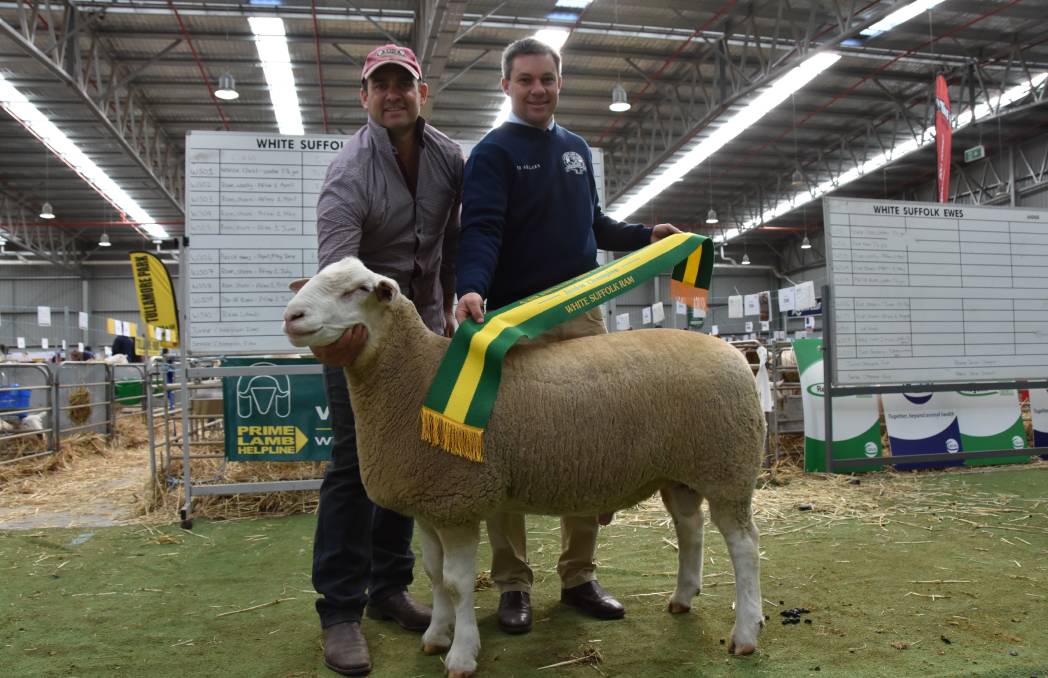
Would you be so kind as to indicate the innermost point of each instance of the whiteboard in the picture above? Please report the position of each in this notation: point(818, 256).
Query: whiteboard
point(932, 292)
point(252, 226)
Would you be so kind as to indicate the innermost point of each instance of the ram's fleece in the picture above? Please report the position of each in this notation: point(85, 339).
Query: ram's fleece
point(580, 427)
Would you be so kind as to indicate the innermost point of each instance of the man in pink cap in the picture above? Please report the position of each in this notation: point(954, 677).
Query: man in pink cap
point(391, 198)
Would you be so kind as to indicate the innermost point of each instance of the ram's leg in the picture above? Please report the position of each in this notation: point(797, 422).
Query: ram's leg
point(735, 521)
point(685, 506)
point(437, 637)
point(460, 553)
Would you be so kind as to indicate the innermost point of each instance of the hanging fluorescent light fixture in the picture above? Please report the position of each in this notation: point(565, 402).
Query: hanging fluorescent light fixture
point(702, 149)
point(805, 244)
point(271, 44)
point(227, 88)
point(925, 138)
point(899, 16)
point(711, 217)
point(619, 99)
point(797, 179)
point(46, 212)
point(38, 124)
point(555, 38)
point(104, 240)
point(745, 259)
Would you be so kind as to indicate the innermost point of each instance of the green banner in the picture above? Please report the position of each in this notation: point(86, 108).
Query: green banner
point(856, 420)
point(276, 417)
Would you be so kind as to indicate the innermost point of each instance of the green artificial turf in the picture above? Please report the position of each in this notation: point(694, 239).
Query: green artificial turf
point(137, 601)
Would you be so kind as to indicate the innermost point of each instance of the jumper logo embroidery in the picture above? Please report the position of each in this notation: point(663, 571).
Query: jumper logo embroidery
point(573, 162)
point(529, 166)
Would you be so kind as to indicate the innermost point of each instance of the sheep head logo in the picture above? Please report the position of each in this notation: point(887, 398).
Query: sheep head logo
point(264, 394)
point(573, 163)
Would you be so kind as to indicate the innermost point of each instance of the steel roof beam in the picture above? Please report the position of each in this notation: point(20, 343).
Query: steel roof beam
point(18, 225)
point(89, 74)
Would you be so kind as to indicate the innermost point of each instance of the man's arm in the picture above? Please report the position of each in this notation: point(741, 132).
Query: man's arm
point(485, 199)
point(341, 212)
point(447, 264)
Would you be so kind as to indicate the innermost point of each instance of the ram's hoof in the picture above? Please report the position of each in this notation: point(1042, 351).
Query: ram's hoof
point(678, 608)
point(742, 649)
point(433, 649)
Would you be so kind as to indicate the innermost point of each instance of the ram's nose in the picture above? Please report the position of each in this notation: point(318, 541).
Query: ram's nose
point(293, 317)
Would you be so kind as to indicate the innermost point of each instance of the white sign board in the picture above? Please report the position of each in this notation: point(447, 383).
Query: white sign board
point(930, 292)
point(251, 220)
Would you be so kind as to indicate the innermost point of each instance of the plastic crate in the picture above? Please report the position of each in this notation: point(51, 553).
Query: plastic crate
point(128, 393)
point(14, 398)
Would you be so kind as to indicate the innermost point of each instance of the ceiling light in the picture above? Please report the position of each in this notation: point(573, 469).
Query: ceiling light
point(711, 217)
point(619, 100)
point(805, 244)
point(271, 44)
point(745, 259)
point(46, 212)
point(227, 89)
point(104, 240)
point(34, 120)
point(899, 16)
point(554, 37)
point(981, 112)
point(573, 4)
point(797, 179)
point(700, 150)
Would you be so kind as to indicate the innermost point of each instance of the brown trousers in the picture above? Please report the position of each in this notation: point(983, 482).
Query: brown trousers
point(578, 534)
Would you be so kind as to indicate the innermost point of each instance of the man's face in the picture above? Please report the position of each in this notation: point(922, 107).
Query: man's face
point(533, 88)
point(393, 97)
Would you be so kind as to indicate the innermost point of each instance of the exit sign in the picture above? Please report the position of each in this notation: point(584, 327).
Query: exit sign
point(975, 153)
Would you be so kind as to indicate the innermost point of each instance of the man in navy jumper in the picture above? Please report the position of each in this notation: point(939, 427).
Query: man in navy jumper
point(530, 220)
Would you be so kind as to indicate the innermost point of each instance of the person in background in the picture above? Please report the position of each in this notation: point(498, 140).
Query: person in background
point(88, 353)
point(126, 346)
point(391, 198)
point(531, 219)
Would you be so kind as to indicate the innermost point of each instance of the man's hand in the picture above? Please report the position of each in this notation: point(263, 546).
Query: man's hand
point(471, 305)
point(660, 231)
point(346, 350)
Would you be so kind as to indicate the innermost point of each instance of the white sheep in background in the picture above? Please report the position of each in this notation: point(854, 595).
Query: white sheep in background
point(580, 427)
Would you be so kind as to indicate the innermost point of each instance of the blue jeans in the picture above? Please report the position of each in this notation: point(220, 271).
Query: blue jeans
point(360, 550)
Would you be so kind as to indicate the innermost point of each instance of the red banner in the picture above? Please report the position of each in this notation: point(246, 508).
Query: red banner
point(943, 137)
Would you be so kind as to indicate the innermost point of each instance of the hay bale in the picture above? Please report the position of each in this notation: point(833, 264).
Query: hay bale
point(80, 405)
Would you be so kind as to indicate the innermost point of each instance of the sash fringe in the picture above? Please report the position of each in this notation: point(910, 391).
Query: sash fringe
point(453, 436)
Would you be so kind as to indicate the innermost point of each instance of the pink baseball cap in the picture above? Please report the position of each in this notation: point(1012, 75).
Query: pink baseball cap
point(391, 54)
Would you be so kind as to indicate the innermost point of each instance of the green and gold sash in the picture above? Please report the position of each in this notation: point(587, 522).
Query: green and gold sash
point(462, 395)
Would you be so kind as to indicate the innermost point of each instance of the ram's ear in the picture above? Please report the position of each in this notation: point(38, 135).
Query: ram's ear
point(386, 289)
point(297, 285)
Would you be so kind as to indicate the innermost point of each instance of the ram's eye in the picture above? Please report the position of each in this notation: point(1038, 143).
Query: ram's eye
point(347, 294)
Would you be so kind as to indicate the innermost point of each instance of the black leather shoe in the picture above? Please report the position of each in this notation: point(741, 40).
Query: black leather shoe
point(515, 612)
point(590, 598)
point(401, 608)
point(345, 650)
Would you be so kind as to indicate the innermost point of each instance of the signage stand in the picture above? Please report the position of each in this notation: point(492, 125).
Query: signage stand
point(830, 389)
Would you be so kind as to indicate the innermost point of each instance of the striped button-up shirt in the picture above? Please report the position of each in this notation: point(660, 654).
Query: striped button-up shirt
point(366, 210)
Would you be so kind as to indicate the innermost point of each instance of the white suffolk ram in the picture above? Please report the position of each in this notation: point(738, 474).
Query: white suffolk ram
point(580, 427)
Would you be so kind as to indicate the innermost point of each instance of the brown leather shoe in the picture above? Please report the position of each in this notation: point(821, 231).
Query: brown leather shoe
point(403, 609)
point(345, 650)
point(515, 612)
point(590, 598)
